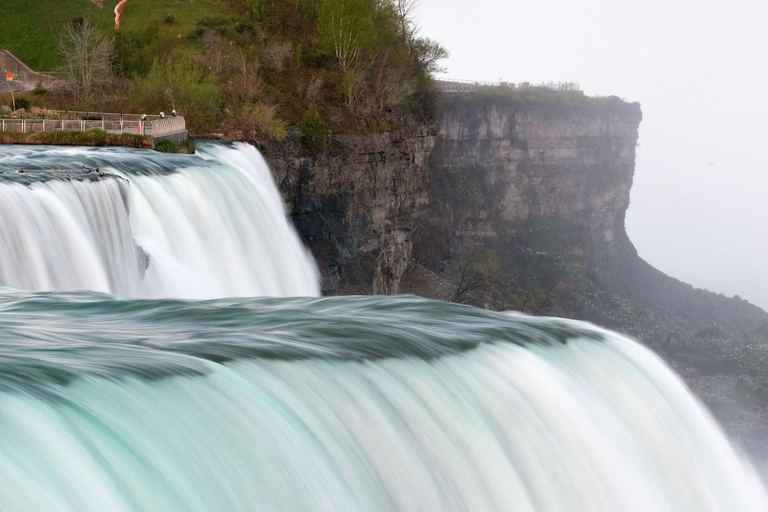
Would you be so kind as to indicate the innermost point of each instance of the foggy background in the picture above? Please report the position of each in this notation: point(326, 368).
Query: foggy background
point(699, 207)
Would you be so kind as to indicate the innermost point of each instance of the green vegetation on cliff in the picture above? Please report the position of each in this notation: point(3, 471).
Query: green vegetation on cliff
point(71, 138)
point(246, 69)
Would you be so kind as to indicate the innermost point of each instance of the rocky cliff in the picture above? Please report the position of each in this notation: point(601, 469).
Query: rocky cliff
point(540, 182)
point(356, 206)
point(527, 206)
point(554, 171)
point(521, 205)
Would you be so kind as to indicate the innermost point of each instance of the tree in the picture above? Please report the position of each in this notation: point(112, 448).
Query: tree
point(428, 53)
point(181, 85)
point(470, 281)
point(346, 30)
point(405, 10)
point(479, 277)
point(87, 53)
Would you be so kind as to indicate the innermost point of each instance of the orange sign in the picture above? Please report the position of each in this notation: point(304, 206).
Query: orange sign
point(9, 77)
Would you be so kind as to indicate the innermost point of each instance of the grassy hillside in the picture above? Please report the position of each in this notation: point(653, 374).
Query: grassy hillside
point(247, 69)
point(28, 27)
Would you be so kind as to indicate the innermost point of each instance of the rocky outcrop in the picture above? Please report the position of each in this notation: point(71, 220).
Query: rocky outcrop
point(553, 174)
point(357, 206)
point(522, 206)
point(541, 181)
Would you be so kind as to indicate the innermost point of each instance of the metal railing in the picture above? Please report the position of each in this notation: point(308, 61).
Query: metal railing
point(119, 123)
point(455, 85)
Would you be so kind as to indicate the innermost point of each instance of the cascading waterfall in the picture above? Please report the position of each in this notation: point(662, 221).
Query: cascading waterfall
point(299, 404)
point(344, 404)
point(205, 226)
point(68, 236)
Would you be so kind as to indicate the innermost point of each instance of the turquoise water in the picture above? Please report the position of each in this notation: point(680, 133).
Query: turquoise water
point(343, 404)
point(167, 387)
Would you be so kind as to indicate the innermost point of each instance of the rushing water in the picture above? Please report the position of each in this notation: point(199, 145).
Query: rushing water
point(204, 226)
point(300, 404)
point(344, 404)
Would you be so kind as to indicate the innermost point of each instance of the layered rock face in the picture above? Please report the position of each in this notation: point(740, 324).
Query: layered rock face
point(539, 181)
point(541, 187)
point(544, 180)
point(553, 176)
point(356, 206)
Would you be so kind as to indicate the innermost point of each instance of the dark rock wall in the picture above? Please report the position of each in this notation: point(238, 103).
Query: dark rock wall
point(356, 206)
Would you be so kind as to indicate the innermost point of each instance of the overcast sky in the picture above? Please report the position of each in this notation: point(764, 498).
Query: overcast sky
point(699, 207)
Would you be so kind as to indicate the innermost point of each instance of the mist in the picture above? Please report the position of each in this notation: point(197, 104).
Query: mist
point(699, 208)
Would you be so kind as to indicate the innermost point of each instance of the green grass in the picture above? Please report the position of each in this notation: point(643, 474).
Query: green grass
point(166, 146)
point(71, 138)
point(28, 27)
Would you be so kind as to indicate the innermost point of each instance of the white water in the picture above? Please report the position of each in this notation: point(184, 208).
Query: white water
point(584, 427)
point(216, 228)
point(344, 404)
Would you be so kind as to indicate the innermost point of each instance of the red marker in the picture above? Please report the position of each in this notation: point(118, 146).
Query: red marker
point(119, 11)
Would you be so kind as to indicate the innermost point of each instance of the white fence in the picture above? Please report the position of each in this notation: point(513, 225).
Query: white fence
point(110, 123)
point(451, 85)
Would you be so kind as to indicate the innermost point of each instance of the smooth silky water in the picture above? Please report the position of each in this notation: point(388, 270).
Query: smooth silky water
point(153, 402)
point(192, 226)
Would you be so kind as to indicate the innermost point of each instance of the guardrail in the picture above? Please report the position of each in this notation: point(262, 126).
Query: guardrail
point(124, 123)
point(455, 85)
point(72, 115)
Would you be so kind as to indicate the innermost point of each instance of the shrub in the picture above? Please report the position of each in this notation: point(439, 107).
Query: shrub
point(256, 122)
point(183, 86)
point(23, 103)
point(39, 90)
point(167, 146)
point(313, 132)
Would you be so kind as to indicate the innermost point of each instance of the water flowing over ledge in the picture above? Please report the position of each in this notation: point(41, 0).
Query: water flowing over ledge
point(344, 404)
point(109, 403)
point(203, 226)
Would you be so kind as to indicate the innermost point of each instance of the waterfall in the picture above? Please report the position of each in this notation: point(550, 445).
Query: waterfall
point(344, 404)
point(117, 393)
point(204, 226)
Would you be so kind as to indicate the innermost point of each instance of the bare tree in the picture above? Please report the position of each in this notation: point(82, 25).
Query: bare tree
point(534, 301)
point(469, 282)
point(545, 302)
point(245, 84)
point(473, 277)
point(406, 11)
point(87, 53)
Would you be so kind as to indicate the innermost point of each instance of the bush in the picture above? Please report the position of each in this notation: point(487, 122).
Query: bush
point(256, 122)
point(23, 103)
point(39, 90)
point(183, 86)
point(313, 132)
point(167, 146)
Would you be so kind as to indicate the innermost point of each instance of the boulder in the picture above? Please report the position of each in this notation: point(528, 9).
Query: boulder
point(5, 109)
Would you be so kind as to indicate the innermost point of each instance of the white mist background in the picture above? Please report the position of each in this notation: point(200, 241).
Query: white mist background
point(699, 207)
